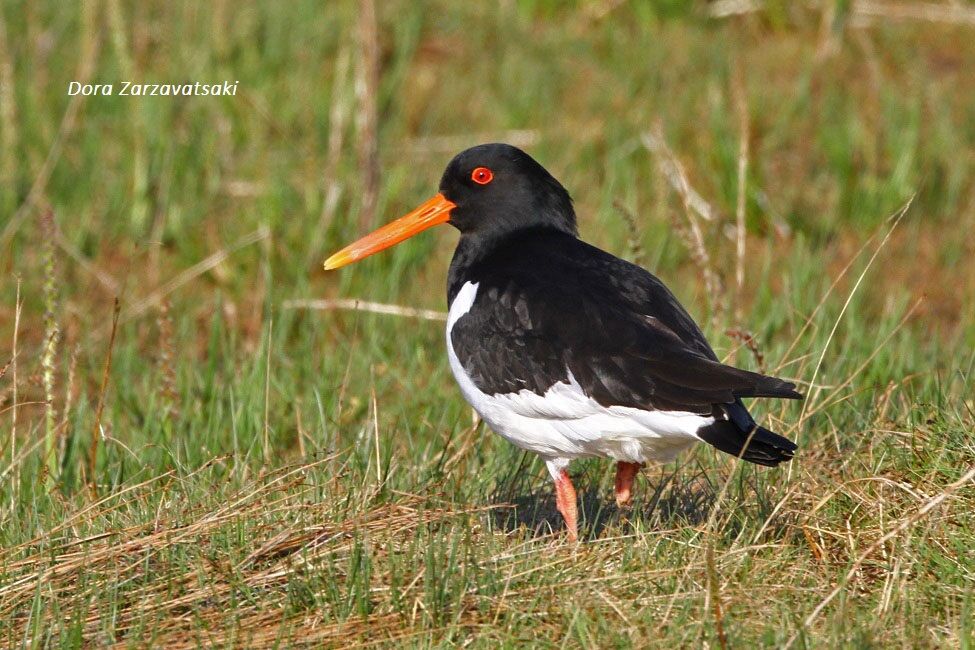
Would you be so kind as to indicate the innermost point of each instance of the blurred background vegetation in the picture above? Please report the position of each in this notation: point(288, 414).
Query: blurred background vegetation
point(205, 216)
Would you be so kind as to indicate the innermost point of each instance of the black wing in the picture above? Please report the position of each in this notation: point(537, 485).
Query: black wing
point(549, 304)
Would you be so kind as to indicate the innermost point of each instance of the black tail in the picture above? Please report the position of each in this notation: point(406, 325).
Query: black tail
point(734, 436)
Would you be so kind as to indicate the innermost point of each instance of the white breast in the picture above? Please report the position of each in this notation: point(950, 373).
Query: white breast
point(565, 422)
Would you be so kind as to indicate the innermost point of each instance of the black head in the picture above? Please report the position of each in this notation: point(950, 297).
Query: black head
point(487, 192)
point(499, 189)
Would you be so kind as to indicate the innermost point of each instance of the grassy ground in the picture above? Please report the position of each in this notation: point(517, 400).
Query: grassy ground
point(267, 474)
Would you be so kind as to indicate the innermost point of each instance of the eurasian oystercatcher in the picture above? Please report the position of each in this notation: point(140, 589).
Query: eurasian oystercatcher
point(564, 349)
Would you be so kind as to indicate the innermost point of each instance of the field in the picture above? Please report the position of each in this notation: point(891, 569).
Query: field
point(220, 460)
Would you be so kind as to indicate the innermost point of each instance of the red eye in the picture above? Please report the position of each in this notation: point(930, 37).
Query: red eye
point(482, 175)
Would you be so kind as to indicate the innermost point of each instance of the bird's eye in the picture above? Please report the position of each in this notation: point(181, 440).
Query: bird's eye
point(482, 175)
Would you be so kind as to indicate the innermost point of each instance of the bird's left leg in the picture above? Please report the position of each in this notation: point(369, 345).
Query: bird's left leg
point(565, 496)
point(625, 473)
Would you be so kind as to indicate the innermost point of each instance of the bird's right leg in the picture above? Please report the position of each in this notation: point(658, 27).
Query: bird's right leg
point(625, 473)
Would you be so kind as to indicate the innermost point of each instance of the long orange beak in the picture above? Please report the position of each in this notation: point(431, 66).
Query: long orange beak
point(429, 214)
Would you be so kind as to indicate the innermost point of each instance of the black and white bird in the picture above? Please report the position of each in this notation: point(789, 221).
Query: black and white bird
point(565, 350)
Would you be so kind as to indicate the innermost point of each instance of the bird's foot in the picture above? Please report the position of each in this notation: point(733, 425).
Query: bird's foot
point(625, 473)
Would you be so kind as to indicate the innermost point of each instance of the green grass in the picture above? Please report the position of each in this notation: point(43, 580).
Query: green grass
point(275, 476)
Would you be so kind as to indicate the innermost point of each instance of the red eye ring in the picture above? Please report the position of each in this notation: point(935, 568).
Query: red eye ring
point(482, 175)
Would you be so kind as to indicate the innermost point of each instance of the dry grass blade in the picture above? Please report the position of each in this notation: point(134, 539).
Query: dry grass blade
point(714, 595)
point(694, 206)
point(894, 221)
point(104, 278)
point(726, 8)
point(811, 319)
point(865, 12)
point(154, 299)
point(18, 306)
point(739, 94)
point(8, 119)
point(354, 304)
point(673, 171)
point(96, 430)
point(267, 394)
point(825, 404)
point(338, 118)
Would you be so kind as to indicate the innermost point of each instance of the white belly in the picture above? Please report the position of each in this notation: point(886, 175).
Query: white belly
point(565, 423)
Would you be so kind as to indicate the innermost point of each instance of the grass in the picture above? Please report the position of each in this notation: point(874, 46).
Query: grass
point(270, 475)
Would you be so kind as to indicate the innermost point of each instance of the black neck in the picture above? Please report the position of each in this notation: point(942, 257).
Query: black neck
point(472, 249)
point(469, 251)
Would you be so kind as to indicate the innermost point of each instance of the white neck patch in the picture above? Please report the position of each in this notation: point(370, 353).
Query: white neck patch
point(462, 304)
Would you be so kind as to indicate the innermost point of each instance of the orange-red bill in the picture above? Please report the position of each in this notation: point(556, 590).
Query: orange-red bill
point(429, 214)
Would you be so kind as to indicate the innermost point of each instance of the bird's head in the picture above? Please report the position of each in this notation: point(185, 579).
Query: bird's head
point(486, 192)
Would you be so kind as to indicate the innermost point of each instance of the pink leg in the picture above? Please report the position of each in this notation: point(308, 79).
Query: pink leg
point(625, 473)
point(565, 501)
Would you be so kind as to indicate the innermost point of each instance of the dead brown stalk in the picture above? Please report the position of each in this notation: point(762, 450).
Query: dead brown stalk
point(97, 427)
point(367, 115)
point(695, 208)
